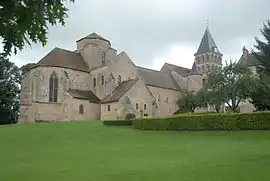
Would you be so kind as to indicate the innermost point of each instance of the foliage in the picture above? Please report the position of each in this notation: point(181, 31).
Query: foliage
point(26, 21)
point(10, 78)
point(263, 56)
point(232, 84)
point(261, 96)
point(188, 101)
point(230, 121)
point(117, 122)
point(130, 116)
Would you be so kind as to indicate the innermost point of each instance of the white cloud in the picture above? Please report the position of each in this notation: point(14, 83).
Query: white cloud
point(177, 54)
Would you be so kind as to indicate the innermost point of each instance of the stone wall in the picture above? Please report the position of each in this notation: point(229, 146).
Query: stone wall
point(166, 100)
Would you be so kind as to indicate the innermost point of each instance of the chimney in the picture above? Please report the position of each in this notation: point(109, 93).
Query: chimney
point(245, 52)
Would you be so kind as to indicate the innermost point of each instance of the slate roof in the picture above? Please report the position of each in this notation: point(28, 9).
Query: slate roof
point(249, 60)
point(63, 58)
point(82, 94)
point(157, 78)
point(168, 68)
point(94, 36)
point(119, 91)
point(194, 70)
point(207, 43)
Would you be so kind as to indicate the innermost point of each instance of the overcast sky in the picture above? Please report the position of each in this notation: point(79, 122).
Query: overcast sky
point(152, 32)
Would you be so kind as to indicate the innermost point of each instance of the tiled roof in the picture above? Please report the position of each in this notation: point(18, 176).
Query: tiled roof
point(207, 43)
point(82, 94)
point(119, 91)
point(194, 70)
point(249, 60)
point(157, 78)
point(168, 68)
point(94, 36)
point(63, 58)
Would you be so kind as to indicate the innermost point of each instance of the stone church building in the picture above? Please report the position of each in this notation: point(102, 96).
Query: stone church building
point(95, 82)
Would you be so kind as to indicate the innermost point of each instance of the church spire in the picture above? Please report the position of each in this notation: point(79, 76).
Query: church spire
point(207, 44)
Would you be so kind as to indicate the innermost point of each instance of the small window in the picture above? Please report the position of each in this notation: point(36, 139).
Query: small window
point(119, 79)
point(166, 99)
point(81, 109)
point(94, 82)
point(144, 106)
point(158, 98)
point(207, 57)
point(102, 80)
point(137, 106)
point(109, 107)
point(103, 57)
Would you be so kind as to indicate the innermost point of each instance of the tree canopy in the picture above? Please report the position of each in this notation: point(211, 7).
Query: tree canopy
point(23, 22)
point(231, 85)
point(261, 96)
point(10, 79)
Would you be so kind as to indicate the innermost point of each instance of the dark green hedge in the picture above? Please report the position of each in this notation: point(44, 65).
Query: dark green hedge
point(117, 123)
point(211, 121)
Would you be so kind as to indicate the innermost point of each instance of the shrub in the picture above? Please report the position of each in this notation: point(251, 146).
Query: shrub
point(211, 121)
point(130, 116)
point(117, 123)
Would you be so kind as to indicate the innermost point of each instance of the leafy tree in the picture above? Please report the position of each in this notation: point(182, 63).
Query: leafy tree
point(263, 54)
point(231, 85)
point(188, 101)
point(26, 21)
point(261, 96)
point(10, 78)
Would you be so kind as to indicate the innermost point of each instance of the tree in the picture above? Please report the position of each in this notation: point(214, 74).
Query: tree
point(261, 96)
point(188, 101)
point(25, 21)
point(231, 85)
point(10, 78)
point(263, 54)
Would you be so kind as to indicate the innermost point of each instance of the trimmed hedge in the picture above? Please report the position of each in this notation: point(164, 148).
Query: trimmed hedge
point(211, 121)
point(117, 123)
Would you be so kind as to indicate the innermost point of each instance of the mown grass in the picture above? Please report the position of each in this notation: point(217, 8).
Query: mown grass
point(91, 151)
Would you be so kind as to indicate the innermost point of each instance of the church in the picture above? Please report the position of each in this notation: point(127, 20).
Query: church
point(96, 82)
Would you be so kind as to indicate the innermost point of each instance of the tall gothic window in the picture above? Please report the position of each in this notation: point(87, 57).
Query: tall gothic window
point(81, 109)
point(103, 57)
point(94, 82)
point(102, 80)
point(53, 87)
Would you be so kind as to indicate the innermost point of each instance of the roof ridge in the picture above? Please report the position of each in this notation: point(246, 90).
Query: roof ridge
point(152, 70)
point(177, 65)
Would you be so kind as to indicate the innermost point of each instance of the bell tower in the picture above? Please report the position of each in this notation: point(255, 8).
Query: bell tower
point(208, 57)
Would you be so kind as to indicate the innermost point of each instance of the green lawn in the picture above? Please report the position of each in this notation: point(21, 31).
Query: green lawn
point(90, 151)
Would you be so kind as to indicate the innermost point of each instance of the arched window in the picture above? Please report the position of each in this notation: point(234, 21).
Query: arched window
point(53, 87)
point(102, 80)
point(213, 67)
point(202, 59)
point(158, 98)
point(81, 109)
point(119, 79)
point(207, 57)
point(144, 106)
point(94, 82)
point(103, 57)
point(166, 99)
point(137, 106)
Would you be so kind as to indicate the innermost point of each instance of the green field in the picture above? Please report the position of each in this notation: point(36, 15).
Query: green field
point(90, 151)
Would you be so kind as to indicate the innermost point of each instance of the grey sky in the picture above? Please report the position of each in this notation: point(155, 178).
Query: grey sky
point(155, 31)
